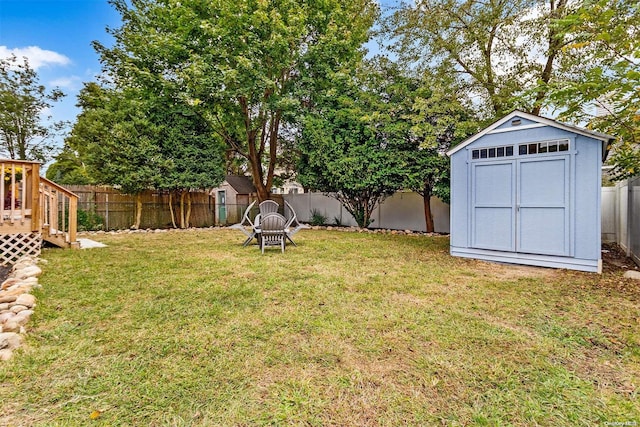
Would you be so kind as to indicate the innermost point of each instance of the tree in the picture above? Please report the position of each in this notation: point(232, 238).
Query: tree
point(246, 66)
point(425, 117)
point(440, 121)
point(606, 35)
point(505, 53)
point(68, 169)
point(116, 141)
point(194, 159)
point(138, 140)
point(348, 150)
point(24, 133)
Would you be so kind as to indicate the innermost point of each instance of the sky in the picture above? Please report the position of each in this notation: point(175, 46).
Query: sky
point(56, 36)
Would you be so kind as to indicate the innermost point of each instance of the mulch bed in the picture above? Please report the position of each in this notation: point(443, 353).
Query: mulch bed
point(4, 273)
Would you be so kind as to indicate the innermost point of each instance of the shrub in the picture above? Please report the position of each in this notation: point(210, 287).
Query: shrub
point(89, 221)
point(317, 218)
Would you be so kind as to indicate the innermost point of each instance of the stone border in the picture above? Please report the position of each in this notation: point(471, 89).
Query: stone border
point(17, 303)
point(309, 227)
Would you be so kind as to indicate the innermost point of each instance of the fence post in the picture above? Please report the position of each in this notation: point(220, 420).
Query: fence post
point(106, 214)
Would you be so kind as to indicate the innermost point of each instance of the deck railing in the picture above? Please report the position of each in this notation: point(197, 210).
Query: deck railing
point(19, 188)
point(33, 204)
point(58, 212)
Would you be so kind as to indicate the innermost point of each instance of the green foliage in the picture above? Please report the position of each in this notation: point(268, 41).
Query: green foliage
point(139, 140)
point(88, 221)
point(68, 169)
point(606, 35)
point(349, 148)
point(23, 132)
point(317, 217)
point(382, 131)
point(487, 46)
point(243, 66)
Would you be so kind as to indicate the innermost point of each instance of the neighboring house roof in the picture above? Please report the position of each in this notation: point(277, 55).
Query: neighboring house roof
point(540, 121)
point(242, 184)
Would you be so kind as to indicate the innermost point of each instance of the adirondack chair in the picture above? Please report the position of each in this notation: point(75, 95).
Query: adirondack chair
point(246, 225)
point(268, 206)
point(272, 231)
point(293, 225)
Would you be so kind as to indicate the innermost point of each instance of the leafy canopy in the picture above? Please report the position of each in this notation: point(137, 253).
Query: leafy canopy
point(24, 133)
point(246, 67)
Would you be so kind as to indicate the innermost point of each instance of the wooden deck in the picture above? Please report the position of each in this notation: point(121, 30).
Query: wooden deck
point(34, 209)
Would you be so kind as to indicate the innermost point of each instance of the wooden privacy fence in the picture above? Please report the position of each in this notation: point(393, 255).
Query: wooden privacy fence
point(102, 207)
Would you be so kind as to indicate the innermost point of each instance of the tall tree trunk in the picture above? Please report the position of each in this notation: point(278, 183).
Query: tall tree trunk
point(428, 216)
point(182, 219)
point(136, 225)
point(173, 216)
point(188, 215)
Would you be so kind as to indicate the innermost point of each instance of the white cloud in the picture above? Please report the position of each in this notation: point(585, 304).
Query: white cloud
point(71, 82)
point(37, 56)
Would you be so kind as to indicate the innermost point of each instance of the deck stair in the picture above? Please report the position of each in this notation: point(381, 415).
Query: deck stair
point(33, 209)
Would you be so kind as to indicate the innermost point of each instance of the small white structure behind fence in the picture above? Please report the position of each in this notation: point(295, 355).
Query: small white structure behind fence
point(621, 216)
point(402, 211)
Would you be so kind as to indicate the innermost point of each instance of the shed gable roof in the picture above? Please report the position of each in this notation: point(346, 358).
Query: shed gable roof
point(242, 184)
point(538, 122)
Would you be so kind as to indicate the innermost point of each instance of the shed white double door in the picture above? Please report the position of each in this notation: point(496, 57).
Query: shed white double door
point(522, 205)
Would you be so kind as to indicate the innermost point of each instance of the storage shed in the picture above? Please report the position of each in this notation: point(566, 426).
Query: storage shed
point(526, 190)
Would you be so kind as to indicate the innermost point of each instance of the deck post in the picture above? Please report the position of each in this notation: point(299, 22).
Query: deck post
point(73, 221)
point(35, 198)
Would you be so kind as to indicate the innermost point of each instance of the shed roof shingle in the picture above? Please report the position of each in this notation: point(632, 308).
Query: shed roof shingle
point(242, 184)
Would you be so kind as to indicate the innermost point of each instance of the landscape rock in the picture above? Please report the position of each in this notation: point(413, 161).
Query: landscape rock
point(31, 271)
point(10, 340)
point(6, 316)
point(18, 308)
point(632, 274)
point(23, 317)
point(9, 282)
point(27, 300)
point(7, 298)
point(11, 326)
point(16, 303)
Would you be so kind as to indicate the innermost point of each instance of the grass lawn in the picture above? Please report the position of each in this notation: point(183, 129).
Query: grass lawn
point(192, 329)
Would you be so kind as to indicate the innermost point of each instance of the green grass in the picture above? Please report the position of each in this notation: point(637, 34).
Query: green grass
point(192, 329)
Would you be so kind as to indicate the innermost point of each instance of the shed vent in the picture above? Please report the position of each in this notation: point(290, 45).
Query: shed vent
point(516, 122)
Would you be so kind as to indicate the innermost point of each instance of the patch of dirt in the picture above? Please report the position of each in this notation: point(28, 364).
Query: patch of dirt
point(512, 271)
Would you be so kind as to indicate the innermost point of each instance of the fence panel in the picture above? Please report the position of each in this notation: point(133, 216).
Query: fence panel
point(621, 213)
point(107, 208)
point(608, 214)
point(634, 219)
point(402, 211)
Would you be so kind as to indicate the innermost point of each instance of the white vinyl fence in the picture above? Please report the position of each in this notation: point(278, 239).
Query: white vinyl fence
point(402, 211)
point(621, 216)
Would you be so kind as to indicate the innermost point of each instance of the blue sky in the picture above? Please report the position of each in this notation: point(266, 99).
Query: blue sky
point(56, 36)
